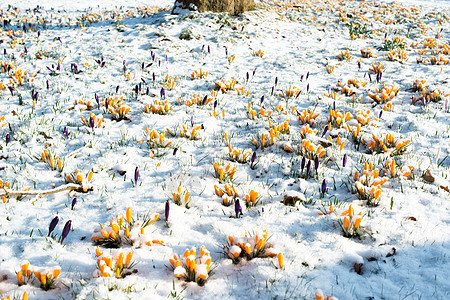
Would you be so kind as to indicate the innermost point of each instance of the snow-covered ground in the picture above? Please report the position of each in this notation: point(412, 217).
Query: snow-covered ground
point(79, 50)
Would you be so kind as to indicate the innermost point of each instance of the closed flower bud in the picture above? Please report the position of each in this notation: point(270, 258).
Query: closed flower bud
point(53, 224)
point(66, 230)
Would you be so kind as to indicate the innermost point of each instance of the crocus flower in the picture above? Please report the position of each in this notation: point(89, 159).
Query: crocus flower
point(92, 122)
point(381, 113)
point(308, 167)
point(237, 208)
point(316, 163)
point(74, 201)
point(276, 81)
point(53, 224)
point(307, 75)
point(162, 93)
point(66, 230)
point(303, 163)
point(97, 99)
point(8, 138)
point(136, 175)
point(325, 130)
point(344, 160)
point(117, 89)
point(252, 160)
point(166, 211)
point(175, 151)
point(262, 99)
point(324, 186)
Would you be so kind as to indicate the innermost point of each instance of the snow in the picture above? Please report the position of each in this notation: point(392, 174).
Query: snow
point(403, 246)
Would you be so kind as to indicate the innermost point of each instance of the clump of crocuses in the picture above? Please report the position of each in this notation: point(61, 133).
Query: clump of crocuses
point(45, 276)
point(118, 265)
point(248, 247)
point(126, 230)
point(78, 178)
point(191, 268)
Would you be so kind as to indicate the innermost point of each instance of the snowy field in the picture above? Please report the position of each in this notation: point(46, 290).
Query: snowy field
point(306, 144)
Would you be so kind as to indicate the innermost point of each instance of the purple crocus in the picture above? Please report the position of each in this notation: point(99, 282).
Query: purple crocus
point(237, 208)
point(381, 113)
point(117, 89)
point(74, 201)
point(66, 132)
point(324, 186)
point(53, 224)
point(276, 81)
point(308, 167)
point(66, 230)
point(254, 71)
point(8, 138)
point(175, 151)
point(97, 99)
point(262, 99)
point(273, 89)
point(307, 75)
point(252, 160)
point(166, 211)
point(325, 130)
point(136, 175)
point(92, 122)
point(248, 76)
point(162, 93)
point(303, 163)
point(344, 160)
point(316, 163)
